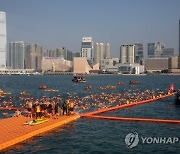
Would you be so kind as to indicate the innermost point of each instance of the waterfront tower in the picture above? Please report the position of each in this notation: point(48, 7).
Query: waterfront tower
point(127, 54)
point(87, 49)
point(3, 40)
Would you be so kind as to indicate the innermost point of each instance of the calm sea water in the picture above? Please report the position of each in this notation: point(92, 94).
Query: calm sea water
point(99, 136)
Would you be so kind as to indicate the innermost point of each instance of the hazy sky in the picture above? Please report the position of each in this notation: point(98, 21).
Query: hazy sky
point(63, 23)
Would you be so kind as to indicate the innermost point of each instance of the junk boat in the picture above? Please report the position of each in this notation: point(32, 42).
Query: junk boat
point(79, 79)
point(177, 98)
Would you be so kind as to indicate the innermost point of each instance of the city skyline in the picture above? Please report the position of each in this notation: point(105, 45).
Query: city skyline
point(61, 24)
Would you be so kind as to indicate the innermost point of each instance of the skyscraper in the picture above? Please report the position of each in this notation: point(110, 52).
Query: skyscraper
point(127, 54)
point(87, 49)
point(61, 52)
point(155, 49)
point(17, 55)
point(151, 49)
point(107, 51)
point(3, 40)
point(97, 53)
point(33, 56)
point(179, 37)
point(101, 51)
point(138, 53)
point(159, 49)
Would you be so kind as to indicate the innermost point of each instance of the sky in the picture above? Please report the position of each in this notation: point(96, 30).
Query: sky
point(63, 23)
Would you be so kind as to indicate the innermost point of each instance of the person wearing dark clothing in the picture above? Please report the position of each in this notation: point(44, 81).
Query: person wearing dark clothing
point(65, 109)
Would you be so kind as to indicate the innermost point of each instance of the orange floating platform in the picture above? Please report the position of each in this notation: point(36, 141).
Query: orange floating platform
point(14, 131)
point(135, 119)
point(92, 114)
point(11, 109)
point(126, 105)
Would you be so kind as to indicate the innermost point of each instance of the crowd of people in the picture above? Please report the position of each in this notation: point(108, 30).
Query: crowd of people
point(56, 106)
point(49, 108)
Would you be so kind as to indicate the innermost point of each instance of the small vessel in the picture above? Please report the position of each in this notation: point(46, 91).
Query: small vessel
point(110, 87)
point(79, 79)
point(102, 88)
point(42, 86)
point(25, 93)
point(6, 93)
point(132, 83)
point(177, 98)
point(51, 90)
point(120, 83)
point(88, 88)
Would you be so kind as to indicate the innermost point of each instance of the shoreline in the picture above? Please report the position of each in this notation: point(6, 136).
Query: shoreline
point(70, 73)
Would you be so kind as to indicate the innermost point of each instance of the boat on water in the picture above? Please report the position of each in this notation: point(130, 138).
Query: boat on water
point(25, 93)
point(177, 98)
point(6, 93)
point(79, 79)
point(110, 87)
point(51, 90)
point(120, 83)
point(132, 83)
point(88, 88)
point(42, 87)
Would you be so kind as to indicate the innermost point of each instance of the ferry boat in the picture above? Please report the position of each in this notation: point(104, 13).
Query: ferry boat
point(79, 79)
point(177, 98)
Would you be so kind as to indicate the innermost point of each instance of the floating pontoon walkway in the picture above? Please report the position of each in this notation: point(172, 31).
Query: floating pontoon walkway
point(172, 121)
point(127, 105)
point(93, 113)
point(12, 130)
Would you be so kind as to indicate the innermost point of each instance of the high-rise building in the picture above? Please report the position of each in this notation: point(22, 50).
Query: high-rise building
point(151, 49)
point(76, 54)
point(107, 51)
point(155, 49)
point(33, 56)
point(158, 50)
point(69, 55)
point(3, 40)
point(97, 53)
point(61, 52)
point(127, 54)
point(17, 55)
point(168, 52)
point(87, 49)
point(138, 53)
point(101, 51)
point(179, 37)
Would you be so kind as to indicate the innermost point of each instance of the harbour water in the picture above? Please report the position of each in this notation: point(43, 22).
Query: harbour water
point(95, 135)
